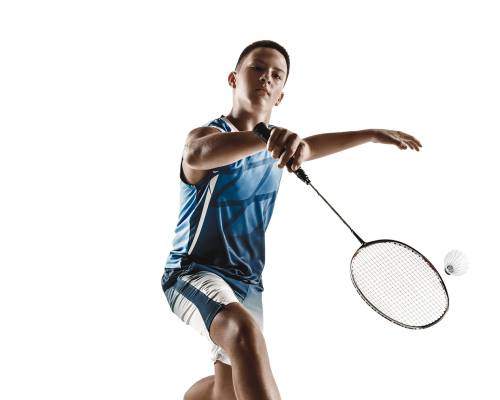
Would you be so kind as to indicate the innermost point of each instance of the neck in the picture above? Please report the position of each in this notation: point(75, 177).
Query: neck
point(245, 120)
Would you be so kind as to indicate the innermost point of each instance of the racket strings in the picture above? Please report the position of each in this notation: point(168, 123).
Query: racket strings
point(398, 282)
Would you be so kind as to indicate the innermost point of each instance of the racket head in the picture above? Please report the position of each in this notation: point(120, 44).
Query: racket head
point(399, 283)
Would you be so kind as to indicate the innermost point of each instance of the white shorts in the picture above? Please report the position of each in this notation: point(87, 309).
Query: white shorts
point(197, 297)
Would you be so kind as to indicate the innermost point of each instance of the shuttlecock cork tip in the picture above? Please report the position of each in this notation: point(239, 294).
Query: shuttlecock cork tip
point(455, 263)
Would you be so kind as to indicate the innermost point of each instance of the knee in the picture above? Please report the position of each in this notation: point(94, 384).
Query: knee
point(201, 390)
point(236, 329)
point(246, 334)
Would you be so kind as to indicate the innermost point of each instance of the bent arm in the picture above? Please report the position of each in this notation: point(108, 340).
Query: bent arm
point(208, 148)
point(324, 144)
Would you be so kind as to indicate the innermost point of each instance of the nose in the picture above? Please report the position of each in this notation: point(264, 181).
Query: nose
point(265, 79)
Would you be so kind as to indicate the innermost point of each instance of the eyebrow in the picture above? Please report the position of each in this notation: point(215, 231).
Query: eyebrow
point(263, 62)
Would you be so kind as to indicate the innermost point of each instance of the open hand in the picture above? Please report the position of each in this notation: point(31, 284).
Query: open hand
point(397, 138)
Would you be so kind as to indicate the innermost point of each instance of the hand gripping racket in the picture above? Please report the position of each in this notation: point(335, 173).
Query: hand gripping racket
point(393, 278)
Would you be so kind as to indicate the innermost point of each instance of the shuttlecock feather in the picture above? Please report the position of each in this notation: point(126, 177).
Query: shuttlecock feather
point(455, 263)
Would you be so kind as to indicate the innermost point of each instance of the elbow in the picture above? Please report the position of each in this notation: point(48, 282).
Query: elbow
point(192, 158)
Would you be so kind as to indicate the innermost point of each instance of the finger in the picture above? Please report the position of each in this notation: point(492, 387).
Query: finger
point(279, 148)
point(276, 133)
point(277, 152)
point(410, 138)
point(413, 144)
point(287, 149)
point(396, 142)
point(287, 154)
point(409, 144)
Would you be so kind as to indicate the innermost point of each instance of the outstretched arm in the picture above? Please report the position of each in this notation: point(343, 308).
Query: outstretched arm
point(328, 143)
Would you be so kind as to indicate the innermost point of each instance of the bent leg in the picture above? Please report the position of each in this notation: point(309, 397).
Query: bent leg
point(201, 390)
point(223, 388)
point(218, 387)
point(235, 330)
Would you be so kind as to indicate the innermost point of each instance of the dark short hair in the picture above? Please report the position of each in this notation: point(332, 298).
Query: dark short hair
point(268, 44)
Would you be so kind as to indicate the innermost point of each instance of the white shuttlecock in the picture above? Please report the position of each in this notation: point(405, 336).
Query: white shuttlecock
point(455, 263)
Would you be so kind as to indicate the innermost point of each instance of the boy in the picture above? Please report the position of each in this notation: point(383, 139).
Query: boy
point(229, 181)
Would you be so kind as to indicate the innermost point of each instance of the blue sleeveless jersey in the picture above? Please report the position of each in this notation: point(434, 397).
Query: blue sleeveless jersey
point(223, 218)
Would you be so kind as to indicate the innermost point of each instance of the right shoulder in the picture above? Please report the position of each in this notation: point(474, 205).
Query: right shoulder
point(190, 175)
point(214, 126)
point(202, 131)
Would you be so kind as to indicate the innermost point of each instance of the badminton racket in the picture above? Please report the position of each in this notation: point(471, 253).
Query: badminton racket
point(393, 278)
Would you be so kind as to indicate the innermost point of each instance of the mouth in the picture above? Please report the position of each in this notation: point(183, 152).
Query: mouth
point(262, 90)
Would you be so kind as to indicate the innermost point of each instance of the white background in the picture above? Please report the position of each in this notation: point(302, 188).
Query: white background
point(96, 99)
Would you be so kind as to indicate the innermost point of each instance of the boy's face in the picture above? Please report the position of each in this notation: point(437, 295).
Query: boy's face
point(260, 78)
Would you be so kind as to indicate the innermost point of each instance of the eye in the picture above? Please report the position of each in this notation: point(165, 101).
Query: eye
point(277, 76)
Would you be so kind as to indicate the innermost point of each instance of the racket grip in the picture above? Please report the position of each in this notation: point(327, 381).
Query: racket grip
point(263, 132)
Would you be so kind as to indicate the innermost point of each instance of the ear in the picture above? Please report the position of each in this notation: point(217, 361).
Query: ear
point(231, 79)
point(279, 99)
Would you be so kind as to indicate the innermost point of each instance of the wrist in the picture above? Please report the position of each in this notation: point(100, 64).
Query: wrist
point(369, 134)
point(307, 150)
point(263, 132)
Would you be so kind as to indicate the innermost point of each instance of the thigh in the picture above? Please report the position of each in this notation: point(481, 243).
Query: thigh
point(198, 297)
point(248, 312)
point(253, 303)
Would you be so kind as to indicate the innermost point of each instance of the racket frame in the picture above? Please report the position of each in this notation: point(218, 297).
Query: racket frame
point(262, 130)
point(380, 312)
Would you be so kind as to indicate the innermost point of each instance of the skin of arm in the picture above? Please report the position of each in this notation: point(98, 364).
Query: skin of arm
point(207, 148)
point(321, 145)
point(328, 143)
point(324, 144)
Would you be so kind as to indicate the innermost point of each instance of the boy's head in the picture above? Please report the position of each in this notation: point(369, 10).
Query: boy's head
point(260, 75)
point(266, 44)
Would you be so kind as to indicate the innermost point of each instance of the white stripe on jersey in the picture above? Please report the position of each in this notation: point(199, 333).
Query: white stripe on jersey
point(210, 189)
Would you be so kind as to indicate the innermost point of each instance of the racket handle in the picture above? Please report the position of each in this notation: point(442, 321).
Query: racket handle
point(263, 132)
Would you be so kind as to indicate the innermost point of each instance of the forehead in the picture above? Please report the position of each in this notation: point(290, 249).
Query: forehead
point(269, 56)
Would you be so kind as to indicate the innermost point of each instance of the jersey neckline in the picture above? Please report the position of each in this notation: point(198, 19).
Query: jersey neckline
point(233, 128)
